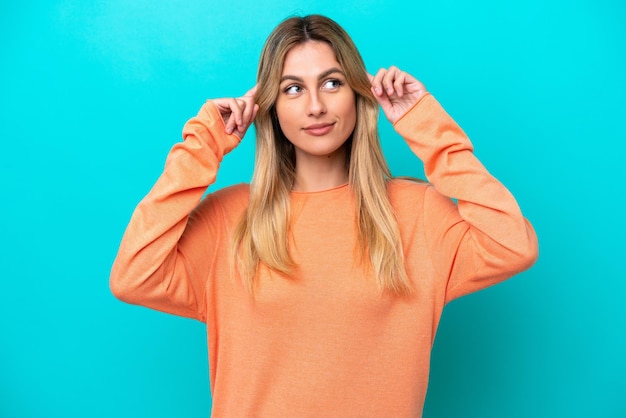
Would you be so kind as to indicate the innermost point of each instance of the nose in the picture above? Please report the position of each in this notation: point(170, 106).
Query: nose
point(315, 105)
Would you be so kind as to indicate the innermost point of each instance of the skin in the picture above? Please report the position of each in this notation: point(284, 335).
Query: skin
point(396, 91)
point(316, 109)
point(317, 112)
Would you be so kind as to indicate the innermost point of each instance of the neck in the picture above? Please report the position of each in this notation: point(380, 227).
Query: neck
point(317, 173)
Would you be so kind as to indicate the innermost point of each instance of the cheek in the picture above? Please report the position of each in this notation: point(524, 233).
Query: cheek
point(281, 114)
point(349, 113)
point(285, 119)
point(284, 107)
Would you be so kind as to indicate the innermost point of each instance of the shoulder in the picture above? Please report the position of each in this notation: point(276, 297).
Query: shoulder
point(403, 190)
point(408, 196)
point(230, 201)
point(232, 197)
point(232, 194)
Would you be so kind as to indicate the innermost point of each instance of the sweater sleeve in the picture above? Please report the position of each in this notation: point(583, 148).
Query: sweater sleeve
point(163, 259)
point(484, 238)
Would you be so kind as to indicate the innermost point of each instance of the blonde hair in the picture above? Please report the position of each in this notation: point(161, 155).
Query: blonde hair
point(262, 236)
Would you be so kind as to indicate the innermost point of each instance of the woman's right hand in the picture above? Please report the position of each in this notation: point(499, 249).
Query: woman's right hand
point(238, 113)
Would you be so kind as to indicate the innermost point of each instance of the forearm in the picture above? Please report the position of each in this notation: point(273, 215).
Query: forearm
point(495, 239)
point(150, 269)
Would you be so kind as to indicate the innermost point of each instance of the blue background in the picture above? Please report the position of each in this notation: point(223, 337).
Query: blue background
point(94, 93)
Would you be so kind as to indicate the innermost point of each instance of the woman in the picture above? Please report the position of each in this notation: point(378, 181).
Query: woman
point(321, 283)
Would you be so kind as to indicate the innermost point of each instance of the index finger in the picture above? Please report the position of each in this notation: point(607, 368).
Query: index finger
point(376, 82)
point(252, 91)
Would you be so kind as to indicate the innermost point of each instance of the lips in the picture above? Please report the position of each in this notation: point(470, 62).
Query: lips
point(319, 129)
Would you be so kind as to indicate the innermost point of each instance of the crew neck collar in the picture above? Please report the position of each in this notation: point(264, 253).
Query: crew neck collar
point(332, 189)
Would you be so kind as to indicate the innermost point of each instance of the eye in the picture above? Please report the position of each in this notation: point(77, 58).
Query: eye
point(292, 89)
point(332, 84)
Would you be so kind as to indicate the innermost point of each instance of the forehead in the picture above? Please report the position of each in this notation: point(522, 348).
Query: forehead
point(310, 58)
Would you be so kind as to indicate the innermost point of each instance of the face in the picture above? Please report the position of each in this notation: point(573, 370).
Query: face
point(316, 107)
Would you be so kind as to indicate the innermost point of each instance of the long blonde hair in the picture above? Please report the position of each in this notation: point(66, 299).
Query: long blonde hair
point(263, 234)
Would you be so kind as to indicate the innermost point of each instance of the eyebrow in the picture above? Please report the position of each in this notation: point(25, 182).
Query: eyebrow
point(319, 77)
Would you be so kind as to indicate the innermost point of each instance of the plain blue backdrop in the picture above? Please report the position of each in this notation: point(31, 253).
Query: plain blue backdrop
point(94, 93)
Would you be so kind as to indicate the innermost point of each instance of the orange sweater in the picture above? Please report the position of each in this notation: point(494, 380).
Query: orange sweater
point(326, 342)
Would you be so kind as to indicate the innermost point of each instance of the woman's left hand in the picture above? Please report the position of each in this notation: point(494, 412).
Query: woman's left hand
point(396, 91)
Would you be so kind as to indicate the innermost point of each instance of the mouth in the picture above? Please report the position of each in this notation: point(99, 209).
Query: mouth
point(319, 129)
